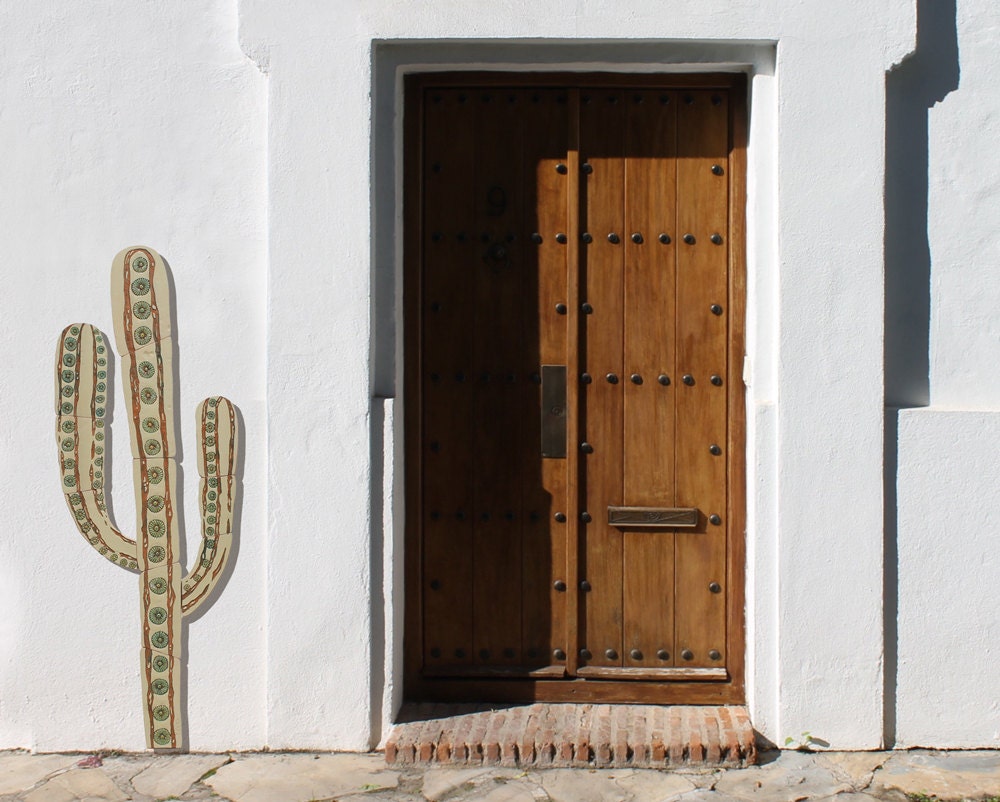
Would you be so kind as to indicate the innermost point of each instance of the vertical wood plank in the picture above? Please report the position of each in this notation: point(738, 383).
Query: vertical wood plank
point(650, 195)
point(602, 126)
point(544, 487)
point(702, 351)
point(494, 258)
point(574, 359)
point(447, 403)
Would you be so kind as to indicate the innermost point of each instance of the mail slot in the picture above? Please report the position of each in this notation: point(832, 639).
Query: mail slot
point(653, 517)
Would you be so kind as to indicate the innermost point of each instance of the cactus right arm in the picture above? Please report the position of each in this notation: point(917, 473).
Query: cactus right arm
point(82, 389)
point(217, 457)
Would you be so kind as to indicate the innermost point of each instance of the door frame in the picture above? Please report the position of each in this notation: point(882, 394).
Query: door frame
point(419, 688)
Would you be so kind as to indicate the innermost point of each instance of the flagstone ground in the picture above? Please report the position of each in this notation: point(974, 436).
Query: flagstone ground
point(912, 776)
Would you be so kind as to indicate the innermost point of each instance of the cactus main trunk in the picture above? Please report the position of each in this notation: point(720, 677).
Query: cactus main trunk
point(140, 297)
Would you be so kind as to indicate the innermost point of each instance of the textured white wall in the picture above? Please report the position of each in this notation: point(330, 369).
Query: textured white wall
point(949, 629)
point(122, 124)
point(964, 218)
point(129, 123)
point(948, 524)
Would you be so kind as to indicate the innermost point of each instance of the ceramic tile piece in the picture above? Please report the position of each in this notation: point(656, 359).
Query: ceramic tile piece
point(218, 436)
point(91, 517)
point(140, 298)
point(157, 523)
point(217, 500)
point(81, 452)
point(159, 606)
point(141, 303)
point(206, 572)
point(81, 375)
point(161, 685)
point(148, 373)
point(160, 617)
point(217, 456)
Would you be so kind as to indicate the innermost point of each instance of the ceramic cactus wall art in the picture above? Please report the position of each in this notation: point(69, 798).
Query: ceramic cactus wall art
point(140, 300)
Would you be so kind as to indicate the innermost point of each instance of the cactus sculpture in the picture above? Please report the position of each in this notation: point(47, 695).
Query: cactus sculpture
point(140, 299)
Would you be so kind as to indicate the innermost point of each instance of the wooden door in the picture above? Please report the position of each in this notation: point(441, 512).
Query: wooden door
point(574, 404)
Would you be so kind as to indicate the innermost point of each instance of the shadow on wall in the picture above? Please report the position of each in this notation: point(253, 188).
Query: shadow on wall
point(911, 90)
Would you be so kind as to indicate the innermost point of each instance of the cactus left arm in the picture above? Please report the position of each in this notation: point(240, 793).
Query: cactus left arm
point(82, 392)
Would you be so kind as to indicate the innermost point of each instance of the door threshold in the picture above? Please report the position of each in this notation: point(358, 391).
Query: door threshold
point(572, 735)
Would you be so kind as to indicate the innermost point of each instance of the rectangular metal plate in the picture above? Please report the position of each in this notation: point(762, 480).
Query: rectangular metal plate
point(554, 411)
point(653, 517)
point(688, 674)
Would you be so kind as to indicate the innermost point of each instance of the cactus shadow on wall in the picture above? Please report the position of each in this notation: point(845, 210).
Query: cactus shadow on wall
point(234, 552)
point(238, 472)
point(923, 79)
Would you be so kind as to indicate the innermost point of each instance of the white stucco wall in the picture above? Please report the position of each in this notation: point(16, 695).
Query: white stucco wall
point(963, 220)
point(816, 304)
point(255, 145)
point(949, 629)
point(948, 522)
point(123, 124)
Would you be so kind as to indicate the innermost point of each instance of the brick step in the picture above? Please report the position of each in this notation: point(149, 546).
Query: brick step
point(575, 735)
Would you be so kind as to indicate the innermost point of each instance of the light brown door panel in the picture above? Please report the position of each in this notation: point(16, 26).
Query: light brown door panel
point(702, 351)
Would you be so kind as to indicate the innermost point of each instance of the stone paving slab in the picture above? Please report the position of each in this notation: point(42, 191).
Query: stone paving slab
point(78, 784)
point(171, 779)
point(946, 775)
point(301, 778)
point(793, 776)
point(328, 777)
point(20, 771)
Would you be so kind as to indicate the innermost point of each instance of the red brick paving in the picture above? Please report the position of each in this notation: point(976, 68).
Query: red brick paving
point(577, 735)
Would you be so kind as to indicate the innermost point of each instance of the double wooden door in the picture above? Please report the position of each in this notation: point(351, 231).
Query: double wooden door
point(574, 288)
